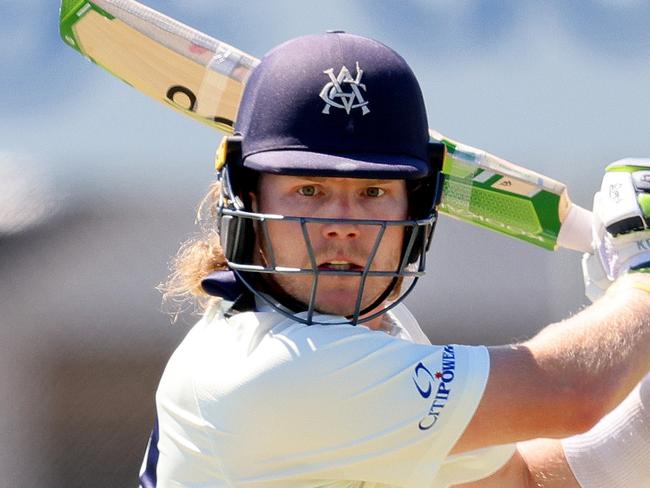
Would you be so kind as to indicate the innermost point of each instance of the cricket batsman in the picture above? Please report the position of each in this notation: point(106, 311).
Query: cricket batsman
point(307, 370)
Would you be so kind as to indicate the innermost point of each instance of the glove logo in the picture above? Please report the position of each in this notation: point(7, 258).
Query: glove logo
point(334, 96)
point(615, 192)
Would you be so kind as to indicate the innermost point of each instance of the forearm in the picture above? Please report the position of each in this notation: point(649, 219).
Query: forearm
point(539, 463)
point(546, 465)
point(513, 474)
point(615, 452)
point(596, 357)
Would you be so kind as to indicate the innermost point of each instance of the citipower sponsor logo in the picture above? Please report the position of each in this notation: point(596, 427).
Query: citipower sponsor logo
point(436, 386)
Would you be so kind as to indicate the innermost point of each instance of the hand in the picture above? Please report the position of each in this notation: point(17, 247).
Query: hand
point(621, 227)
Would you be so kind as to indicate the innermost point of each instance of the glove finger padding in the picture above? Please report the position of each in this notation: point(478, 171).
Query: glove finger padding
point(623, 195)
point(620, 233)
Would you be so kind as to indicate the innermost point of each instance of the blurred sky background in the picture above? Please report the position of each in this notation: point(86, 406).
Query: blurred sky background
point(99, 184)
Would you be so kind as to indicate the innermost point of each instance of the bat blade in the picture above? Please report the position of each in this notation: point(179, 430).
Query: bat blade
point(204, 78)
point(187, 70)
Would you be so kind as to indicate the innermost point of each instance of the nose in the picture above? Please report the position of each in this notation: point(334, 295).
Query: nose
point(340, 230)
point(342, 210)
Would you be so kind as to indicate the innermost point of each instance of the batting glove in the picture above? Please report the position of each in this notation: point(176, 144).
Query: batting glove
point(621, 226)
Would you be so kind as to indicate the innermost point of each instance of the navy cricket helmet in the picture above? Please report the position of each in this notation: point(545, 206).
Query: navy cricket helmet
point(329, 105)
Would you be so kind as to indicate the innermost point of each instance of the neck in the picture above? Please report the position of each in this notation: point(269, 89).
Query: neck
point(383, 322)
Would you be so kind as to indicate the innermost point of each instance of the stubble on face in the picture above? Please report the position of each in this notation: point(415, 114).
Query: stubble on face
point(338, 293)
point(332, 243)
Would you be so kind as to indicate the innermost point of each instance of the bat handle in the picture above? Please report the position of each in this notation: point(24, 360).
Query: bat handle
point(575, 232)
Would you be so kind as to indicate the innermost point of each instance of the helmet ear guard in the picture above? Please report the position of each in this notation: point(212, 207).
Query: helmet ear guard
point(236, 234)
point(424, 197)
point(436, 152)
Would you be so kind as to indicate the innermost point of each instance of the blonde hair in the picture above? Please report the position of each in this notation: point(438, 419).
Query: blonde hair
point(197, 257)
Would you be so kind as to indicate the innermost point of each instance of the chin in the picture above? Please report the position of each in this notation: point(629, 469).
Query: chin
point(335, 296)
point(342, 302)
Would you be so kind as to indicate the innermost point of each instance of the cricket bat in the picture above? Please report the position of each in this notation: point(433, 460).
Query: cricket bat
point(204, 78)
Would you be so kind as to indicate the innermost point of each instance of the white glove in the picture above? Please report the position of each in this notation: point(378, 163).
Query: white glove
point(621, 227)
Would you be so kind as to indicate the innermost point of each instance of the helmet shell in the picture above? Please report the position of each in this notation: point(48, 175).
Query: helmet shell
point(334, 104)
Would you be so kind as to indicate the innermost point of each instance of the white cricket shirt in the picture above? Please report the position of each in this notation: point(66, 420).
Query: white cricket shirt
point(257, 400)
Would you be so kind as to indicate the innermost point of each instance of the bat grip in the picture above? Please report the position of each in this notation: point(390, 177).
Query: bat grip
point(575, 232)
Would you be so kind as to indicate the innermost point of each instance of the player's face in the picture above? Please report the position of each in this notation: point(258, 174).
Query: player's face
point(336, 245)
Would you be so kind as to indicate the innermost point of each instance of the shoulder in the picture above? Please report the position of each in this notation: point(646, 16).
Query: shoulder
point(254, 344)
point(324, 387)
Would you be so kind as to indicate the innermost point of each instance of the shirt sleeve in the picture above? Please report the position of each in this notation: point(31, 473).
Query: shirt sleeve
point(346, 403)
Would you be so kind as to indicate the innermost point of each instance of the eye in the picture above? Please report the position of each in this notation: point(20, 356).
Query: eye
point(308, 190)
point(374, 191)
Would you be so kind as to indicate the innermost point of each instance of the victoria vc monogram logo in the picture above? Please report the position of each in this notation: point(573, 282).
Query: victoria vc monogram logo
point(334, 96)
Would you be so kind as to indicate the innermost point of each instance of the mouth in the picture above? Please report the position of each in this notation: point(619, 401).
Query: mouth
point(339, 266)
